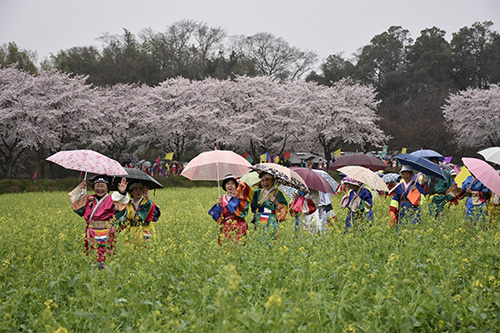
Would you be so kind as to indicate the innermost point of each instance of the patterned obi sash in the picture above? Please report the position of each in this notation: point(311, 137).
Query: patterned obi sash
point(100, 224)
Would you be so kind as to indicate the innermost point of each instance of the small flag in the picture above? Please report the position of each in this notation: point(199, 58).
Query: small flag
point(158, 160)
point(34, 176)
point(248, 157)
point(276, 159)
point(448, 159)
point(286, 155)
point(337, 153)
point(264, 157)
point(403, 151)
point(463, 174)
point(169, 156)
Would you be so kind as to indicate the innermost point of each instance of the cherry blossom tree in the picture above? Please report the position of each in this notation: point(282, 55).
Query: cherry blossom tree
point(179, 116)
point(45, 113)
point(474, 116)
point(266, 115)
point(344, 113)
point(119, 128)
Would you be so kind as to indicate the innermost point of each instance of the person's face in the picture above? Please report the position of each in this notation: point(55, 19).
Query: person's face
point(231, 187)
point(137, 192)
point(406, 175)
point(101, 189)
point(267, 182)
point(351, 187)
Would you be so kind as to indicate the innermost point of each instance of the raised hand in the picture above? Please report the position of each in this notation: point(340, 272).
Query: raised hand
point(122, 185)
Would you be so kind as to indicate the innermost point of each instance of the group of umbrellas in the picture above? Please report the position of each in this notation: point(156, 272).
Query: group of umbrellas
point(90, 161)
point(214, 165)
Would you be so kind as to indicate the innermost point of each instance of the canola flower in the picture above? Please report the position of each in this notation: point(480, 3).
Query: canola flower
point(439, 275)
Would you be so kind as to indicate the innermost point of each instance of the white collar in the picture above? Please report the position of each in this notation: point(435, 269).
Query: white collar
point(268, 191)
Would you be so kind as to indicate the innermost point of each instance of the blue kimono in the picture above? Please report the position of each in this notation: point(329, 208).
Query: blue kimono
point(475, 205)
point(401, 207)
point(363, 210)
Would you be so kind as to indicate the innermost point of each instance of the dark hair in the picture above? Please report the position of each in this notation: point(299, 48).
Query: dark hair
point(262, 174)
point(227, 180)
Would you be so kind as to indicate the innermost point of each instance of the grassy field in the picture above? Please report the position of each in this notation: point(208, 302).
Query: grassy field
point(439, 275)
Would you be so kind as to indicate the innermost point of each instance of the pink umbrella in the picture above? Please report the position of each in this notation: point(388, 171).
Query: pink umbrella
point(484, 172)
point(215, 164)
point(313, 180)
point(88, 161)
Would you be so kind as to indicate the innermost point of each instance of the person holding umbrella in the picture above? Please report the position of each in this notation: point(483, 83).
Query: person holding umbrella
point(358, 200)
point(436, 189)
point(270, 207)
point(137, 215)
point(232, 215)
point(477, 196)
point(98, 210)
point(405, 203)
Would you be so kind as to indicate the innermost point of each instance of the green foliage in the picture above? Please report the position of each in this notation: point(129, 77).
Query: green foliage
point(439, 275)
point(24, 60)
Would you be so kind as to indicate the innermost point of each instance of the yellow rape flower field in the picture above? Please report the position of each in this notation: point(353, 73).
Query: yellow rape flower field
point(436, 276)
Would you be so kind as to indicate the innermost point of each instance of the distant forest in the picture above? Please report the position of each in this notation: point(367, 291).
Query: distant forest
point(412, 78)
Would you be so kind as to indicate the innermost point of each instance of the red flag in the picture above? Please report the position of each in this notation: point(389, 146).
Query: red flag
point(158, 160)
point(286, 155)
point(34, 176)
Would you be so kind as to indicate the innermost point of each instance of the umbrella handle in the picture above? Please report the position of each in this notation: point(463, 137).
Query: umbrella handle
point(218, 182)
point(84, 178)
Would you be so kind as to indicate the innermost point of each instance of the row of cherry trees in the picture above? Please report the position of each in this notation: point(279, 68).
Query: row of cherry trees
point(45, 113)
point(42, 114)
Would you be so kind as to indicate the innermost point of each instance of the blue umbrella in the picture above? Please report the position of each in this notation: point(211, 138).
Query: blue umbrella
point(421, 164)
point(328, 178)
point(428, 153)
point(391, 177)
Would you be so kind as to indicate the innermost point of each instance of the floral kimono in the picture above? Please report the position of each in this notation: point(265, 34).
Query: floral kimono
point(475, 205)
point(99, 216)
point(136, 217)
point(405, 205)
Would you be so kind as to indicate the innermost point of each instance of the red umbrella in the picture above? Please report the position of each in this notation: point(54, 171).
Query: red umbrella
point(364, 160)
point(313, 180)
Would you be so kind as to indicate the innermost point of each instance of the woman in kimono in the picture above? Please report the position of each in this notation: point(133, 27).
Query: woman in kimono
point(437, 189)
point(98, 210)
point(477, 196)
point(405, 205)
point(304, 207)
point(270, 208)
point(358, 200)
point(137, 215)
point(232, 218)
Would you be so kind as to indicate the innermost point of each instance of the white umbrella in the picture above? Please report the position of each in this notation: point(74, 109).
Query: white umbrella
point(365, 176)
point(491, 154)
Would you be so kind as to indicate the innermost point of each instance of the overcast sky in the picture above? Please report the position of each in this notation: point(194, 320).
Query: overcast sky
point(324, 26)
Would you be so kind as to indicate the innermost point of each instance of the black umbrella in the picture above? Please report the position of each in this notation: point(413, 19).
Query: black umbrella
point(136, 176)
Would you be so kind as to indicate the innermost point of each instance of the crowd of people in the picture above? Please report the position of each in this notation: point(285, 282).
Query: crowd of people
point(129, 208)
